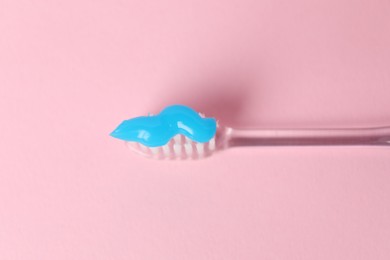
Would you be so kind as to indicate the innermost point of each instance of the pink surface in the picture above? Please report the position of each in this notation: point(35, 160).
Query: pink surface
point(70, 71)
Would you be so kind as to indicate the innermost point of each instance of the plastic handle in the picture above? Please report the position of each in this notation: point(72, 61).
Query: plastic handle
point(302, 137)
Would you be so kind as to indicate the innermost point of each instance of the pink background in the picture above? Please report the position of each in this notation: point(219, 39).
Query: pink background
point(70, 71)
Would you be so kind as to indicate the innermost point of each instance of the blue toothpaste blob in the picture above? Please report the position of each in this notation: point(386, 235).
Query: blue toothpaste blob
point(157, 130)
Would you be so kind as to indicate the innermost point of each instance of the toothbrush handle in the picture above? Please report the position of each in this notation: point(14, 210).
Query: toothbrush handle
point(309, 137)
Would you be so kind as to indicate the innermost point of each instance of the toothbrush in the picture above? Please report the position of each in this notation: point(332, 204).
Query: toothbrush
point(179, 132)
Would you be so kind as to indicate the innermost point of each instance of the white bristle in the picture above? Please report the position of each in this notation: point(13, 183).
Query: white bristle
point(177, 139)
point(154, 150)
point(188, 140)
point(144, 148)
point(188, 149)
point(166, 150)
point(177, 150)
point(200, 149)
point(212, 144)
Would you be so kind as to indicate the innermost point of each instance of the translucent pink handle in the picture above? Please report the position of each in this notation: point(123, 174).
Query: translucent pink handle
point(300, 137)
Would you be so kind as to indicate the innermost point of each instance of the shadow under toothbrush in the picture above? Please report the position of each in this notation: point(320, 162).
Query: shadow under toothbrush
point(224, 99)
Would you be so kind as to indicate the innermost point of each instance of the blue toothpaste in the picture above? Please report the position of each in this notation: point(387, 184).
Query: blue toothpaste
point(158, 130)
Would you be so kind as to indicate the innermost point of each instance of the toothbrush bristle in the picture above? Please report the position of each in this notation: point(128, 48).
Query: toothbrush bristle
point(179, 147)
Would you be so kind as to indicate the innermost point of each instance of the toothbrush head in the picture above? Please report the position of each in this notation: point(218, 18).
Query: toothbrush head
point(177, 132)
